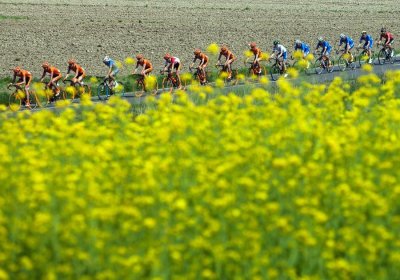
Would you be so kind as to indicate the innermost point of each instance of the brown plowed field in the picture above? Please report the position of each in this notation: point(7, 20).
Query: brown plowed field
point(37, 30)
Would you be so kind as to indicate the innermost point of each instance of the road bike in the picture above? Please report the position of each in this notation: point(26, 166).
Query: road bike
point(78, 89)
point(255, 68)
point(18, 98)
point(345, 60)
point(323, 64)
point(199, 75)
point(142, 88)
point(170, 82)
point(276, 69)
point(108, 88)
point(223, 73)
point(363, 57)
point(385, 55)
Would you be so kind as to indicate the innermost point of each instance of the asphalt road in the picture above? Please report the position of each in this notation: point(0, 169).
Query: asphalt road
point(348, 74)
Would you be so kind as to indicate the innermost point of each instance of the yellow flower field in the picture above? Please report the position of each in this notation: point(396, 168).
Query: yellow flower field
point(300, 184)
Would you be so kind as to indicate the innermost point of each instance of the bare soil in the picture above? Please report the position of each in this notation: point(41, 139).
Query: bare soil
point(33, 31)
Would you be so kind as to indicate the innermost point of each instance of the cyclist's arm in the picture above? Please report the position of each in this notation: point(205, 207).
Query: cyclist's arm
point(14, 78)
point(23, 81)
point(43, 75)
point(219, 58)
point(194, 60)
point(201, 62)
point(68, 71)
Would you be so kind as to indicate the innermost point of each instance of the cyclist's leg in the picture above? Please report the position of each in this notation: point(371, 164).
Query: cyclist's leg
point(54, 83)
point(27, 103)
point(177, 72)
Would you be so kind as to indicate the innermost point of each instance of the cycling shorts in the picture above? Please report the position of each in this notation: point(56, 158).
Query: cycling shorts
point(368, 47)
point(390, 42)
point(284, 55)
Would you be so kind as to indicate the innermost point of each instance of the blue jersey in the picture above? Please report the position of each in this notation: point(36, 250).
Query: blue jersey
point(303, 47)
point(347, 41)
point(111, 64)
point(323, 45)
point(367, 39)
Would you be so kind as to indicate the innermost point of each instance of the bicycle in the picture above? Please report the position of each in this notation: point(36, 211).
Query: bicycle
point(199, 75)
point(363, 56)
point(223, 73)
point(345, 61)
point(385, 54)
point(277, 68)
point(78, 89)
point(108, 88)
point(141, 86)
point(255, 69)
point(18, 98)
point(323, 63)
point(170, 81)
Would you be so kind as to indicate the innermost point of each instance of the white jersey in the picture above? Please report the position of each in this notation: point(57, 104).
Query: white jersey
point(280, 49)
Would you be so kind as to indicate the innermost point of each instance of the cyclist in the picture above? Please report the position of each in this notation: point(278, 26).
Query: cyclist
point(326, 50)
point(368, 44)
point(280, 52)
point(198, 55)
point(171, 63)
point(55, 76)
point(79, 72)
point(389, 39)
point(25, 77)
point(349, 45)
point(229, 59)
point(303, 47)
point(257, 56)
point(146, 65)
point(112, 71)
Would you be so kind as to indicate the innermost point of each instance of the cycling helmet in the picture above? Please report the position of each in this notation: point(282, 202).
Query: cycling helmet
point(45, 64)
point(276, 42)
point(224, 49)
point(342, 36)
point(167, 56)
point(383, 29)
point(321, 39)
point(364, 32)
point(139, 56)
point(253, 45)
point(71, 62)
point(16, 69)
point(106, 59)
point(197, 51)
point(298, 42)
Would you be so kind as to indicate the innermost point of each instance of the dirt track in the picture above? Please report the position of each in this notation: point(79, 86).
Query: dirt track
point(61, 29)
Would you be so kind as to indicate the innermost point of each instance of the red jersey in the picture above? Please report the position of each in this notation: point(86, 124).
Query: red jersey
point(387, 36)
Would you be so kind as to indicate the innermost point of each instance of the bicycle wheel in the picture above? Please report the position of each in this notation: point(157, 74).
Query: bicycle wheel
point(382, 56)
point(14, 101)
point(166, 85)
point(342, 63)
point(154, 90)
point(318, 66)
point(119, 90)
point(363, 58)
point(103, 92)
point(140, 88)
point(275, 72)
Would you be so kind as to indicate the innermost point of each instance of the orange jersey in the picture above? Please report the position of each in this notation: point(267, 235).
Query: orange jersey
point(145, 63)
point(52, 70)
point(256, 51)
point(24, 74)
point(76, 68)
point(201, 56)
point(228, 55)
